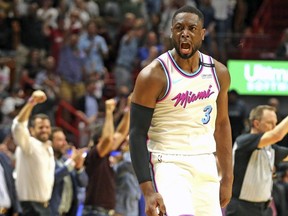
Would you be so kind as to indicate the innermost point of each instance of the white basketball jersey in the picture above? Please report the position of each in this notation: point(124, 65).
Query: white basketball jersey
point(184, 119)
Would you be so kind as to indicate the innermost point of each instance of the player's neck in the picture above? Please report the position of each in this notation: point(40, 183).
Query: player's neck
point(189, 65)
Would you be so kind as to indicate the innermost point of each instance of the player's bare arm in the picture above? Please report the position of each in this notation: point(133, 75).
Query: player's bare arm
point(223, 135)
point(150, 86)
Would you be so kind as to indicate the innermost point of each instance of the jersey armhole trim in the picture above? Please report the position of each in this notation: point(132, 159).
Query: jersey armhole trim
point(167, 78)
point(214, 73)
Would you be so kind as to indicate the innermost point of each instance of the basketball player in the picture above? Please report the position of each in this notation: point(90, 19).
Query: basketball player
point(180, 102)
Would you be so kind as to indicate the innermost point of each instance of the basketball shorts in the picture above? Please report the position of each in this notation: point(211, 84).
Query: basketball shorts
point(189, 184)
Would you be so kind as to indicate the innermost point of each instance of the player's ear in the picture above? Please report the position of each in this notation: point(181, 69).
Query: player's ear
point(203, 31)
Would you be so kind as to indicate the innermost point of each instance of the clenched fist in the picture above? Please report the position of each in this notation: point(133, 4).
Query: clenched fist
point(110, 105)
point(38, 96)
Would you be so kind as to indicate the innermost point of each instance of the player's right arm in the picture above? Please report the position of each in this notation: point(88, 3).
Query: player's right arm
point(150, 85)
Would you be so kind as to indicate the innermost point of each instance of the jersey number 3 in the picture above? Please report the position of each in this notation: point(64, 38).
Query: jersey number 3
point(207, 110)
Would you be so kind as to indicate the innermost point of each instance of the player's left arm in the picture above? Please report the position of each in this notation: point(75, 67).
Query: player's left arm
point(223, 135)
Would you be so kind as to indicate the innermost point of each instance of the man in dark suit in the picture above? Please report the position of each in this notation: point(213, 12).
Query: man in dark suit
point(69, 175)
point(9, 204)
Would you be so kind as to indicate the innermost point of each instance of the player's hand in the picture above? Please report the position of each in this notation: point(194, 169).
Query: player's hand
point(225, 191)
point(38, 96)
point(154, 205)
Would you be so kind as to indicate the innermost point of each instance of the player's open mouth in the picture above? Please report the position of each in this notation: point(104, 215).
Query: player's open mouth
point(185, 48)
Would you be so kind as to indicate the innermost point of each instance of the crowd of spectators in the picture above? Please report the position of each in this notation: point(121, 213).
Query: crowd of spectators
point(57, 45)
point(87, 51)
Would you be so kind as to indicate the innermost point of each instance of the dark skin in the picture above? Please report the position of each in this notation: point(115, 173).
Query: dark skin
point(187, 36)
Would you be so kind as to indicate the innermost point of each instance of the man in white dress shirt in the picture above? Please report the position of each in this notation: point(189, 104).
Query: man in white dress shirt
point(34, 158)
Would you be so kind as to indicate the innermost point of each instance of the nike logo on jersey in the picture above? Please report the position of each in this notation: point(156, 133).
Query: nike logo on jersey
point(189, 97)
point(176, 81)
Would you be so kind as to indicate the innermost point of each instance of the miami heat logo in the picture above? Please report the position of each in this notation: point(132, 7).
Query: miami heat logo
point(189, 97)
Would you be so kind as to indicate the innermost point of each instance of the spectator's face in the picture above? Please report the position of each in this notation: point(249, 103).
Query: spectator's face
point(2, 15)
point(152, 38)
point(41, 129)
point(35, 54)
point(92, 28)
point(130, 19)
point(267, 122)
point(74, 40)
point(60, 24)
point(74, 16)
point(274, 102)
point(47, 3)
point(80, 3)
point(50, 62)
point(153, 52)
point(59, 142)
point(91, 87)
point(32, 10)
point(232, 98)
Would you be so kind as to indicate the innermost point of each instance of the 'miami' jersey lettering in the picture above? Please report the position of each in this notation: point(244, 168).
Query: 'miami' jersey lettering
point(189, 97)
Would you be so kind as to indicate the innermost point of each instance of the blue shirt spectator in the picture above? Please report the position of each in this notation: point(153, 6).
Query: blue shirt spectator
point(71, 61)
point(95, 48)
